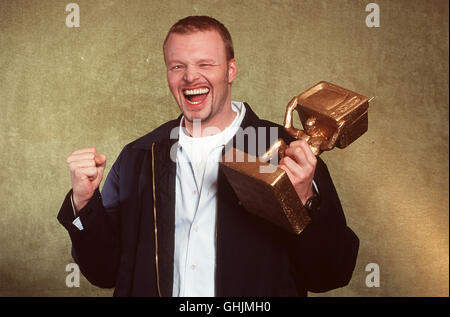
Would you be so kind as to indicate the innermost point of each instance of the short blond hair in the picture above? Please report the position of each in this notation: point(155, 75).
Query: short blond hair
point(197, 23)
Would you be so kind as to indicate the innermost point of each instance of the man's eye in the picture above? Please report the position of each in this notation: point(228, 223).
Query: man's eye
point(176, 67)
point(205, 65)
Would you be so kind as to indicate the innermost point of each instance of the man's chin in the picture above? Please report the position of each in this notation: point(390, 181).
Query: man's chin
point(192, 116)
point(194, 119)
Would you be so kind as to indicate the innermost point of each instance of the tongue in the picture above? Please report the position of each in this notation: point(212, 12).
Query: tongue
point(198, 98)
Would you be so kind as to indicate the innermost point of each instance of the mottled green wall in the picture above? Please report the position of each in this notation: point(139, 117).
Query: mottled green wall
point(104, 84)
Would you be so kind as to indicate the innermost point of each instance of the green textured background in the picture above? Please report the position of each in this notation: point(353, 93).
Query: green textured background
point(104, 85)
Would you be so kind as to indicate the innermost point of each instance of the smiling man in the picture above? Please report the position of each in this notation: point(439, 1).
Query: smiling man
point(168, 223)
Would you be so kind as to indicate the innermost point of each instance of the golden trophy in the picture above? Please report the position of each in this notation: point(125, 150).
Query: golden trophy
point(331, 116)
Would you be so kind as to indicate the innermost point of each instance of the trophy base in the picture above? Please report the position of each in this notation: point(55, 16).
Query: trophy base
point(269, 195)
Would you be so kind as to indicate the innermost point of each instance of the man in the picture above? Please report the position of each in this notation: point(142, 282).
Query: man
point(168, 223)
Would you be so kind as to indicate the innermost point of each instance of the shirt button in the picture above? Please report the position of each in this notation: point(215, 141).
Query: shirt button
point(193, 266)
point(195, 192)
point(196, 228)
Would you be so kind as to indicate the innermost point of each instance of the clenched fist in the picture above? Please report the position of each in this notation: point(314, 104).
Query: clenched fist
point(86, 171)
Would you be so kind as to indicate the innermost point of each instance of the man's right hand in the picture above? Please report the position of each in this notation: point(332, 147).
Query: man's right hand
point(86, 171)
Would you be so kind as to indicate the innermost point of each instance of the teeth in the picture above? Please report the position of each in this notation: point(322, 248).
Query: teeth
point(199, 91)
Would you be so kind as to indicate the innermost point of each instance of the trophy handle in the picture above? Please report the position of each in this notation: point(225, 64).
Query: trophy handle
point(288, 122)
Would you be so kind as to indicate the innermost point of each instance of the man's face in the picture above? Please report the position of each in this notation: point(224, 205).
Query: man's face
point(199, 75)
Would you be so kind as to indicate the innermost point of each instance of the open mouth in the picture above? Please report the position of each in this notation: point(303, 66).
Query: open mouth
point(196, 96)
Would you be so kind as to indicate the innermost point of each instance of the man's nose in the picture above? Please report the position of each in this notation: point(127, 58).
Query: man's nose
point(191, 74)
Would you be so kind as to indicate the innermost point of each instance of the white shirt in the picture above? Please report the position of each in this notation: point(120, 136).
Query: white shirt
point(196, 207)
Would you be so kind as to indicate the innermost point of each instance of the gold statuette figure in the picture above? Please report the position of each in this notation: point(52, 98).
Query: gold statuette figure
point(331, 116)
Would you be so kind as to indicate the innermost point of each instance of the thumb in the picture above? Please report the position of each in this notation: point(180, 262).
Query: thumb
point(100, 160)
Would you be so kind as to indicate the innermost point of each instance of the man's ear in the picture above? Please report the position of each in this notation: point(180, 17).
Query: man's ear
point(232, 71)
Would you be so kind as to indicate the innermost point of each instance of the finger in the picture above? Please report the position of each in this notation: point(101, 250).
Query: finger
point(295, 169)
point(310, 157)
point(296, 143)
point(82, 163)
point(81, 156)
point(298, 155)
point(302, 153)
point(301, 182)
point(86, 150)
point(86, 172)
point(288, 172)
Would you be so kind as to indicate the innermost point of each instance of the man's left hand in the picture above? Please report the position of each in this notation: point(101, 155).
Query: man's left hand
point(299, 163)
